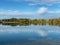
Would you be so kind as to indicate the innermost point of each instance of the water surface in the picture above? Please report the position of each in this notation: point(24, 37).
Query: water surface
point(29, 35)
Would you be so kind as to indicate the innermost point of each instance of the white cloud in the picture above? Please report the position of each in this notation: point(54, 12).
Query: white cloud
point(45, 10)
point(42, 10)
point(45, 2)
point(56, 12)
point(9, 12)
point(31, 4)
point(41, 2)
point(16, 12)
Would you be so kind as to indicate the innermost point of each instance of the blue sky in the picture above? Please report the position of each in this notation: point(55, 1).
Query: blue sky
point(30, 8)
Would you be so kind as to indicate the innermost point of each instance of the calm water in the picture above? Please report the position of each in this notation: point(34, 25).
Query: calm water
point(29, 35)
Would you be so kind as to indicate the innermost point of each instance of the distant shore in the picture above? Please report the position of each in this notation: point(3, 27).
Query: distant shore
point(26, 22)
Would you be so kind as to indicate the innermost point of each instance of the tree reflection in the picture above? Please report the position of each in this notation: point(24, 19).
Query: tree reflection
point(27, 22)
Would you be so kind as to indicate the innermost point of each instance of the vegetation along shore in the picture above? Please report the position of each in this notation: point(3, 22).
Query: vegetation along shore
point(27, 22)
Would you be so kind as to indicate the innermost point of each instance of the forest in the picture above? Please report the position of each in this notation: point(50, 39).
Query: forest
point(27, 22)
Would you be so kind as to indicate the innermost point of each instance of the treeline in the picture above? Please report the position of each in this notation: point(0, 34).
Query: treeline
point(25, 22)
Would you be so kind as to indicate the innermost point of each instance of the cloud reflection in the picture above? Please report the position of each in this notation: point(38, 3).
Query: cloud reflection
point(39, 30)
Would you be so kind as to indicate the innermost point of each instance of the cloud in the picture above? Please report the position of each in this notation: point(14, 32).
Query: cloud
point(42, 10)
point(56, 12)
point(31, 4)
point(44, 2)
point(10, 12)
point(16, 12)
point(41, 2)
point(45, 10)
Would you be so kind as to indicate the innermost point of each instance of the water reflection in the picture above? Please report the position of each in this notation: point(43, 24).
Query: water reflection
point(7, 24)
point(29, 35)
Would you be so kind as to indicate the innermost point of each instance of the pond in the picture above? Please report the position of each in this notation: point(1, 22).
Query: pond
point(29, 35)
